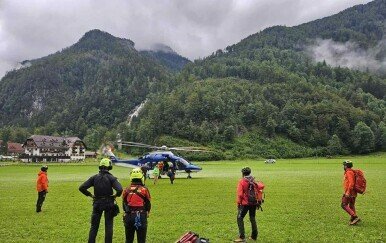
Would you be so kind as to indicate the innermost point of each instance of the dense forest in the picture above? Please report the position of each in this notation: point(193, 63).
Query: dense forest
point(266, 96)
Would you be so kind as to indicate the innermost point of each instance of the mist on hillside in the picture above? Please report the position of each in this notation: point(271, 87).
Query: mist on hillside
point(350, 55)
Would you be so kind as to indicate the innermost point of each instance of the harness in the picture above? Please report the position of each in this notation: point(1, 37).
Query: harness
point(131, 193)
point(137, 223)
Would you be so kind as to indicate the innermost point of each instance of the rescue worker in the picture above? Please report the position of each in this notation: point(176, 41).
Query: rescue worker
point(136, 204)
point(144, 170)
point(41, 187)
point(103, 199)
point(349, 194)
point(244, 207)
point(156, 173)
point(171, 173)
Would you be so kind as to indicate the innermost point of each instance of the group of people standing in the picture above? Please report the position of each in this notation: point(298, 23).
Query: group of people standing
point(136, 201)
point(161, 167)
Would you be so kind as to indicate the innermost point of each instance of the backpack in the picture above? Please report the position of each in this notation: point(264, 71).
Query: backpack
point(191, 237)
point(129, 197)
point(255, 193)
point(360, 182)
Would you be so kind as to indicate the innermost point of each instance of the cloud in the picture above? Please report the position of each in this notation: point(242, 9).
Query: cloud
point(349, 55)
point(194, 29)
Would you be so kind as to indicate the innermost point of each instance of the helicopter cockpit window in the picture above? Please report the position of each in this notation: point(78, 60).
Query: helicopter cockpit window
point(181, 164)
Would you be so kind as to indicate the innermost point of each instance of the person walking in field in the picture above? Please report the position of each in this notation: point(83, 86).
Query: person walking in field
point(41, 187)
point(244, 206)
point(171, 173)
point(156, 173)
point(144, 170)
point(136, 203)
point(103, 199)
point(349, 194)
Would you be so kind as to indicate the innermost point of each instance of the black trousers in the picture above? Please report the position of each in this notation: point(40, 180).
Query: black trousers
point(100, 206)
point(41, 198)
point(130, 229)
point(242, 211)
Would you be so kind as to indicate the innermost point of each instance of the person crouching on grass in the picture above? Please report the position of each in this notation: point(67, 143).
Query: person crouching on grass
point(349, 195)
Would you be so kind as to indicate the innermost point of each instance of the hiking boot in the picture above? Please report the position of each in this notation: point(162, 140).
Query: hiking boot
point(250, 238)
point(239, 240)
point(355, 221)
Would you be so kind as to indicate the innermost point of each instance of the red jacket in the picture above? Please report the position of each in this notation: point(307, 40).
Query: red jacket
point(134, 201)
point(242, 191)
point(348, 183)
point(42, 182)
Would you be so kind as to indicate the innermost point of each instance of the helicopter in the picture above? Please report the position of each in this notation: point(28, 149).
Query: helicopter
point(162, 154)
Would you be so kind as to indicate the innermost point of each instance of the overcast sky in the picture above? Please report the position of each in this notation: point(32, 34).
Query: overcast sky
point(31, 29)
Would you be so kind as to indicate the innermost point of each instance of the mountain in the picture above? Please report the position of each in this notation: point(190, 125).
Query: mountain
point(95, 82)
point(269, 96)
point(281, 92)
point(166, 57)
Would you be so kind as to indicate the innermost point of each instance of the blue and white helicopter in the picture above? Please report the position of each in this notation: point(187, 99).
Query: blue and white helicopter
point(162, 154)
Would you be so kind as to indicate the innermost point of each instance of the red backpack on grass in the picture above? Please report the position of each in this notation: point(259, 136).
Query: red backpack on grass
point(360, 182)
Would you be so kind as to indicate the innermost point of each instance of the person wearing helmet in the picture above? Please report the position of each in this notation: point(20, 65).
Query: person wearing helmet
point(349, 194)
point(136, 204)
point(103, 199)
point(244, 206)
point(41, 187)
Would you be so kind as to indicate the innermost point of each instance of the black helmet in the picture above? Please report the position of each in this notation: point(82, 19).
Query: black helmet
point(246, 171)
point(347, 163)
point(44, 168)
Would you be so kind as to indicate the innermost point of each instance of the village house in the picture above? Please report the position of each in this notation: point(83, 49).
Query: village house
point(39, 148)
point(14, 149)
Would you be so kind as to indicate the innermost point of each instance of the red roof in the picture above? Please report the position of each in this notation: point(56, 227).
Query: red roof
point(15, 148)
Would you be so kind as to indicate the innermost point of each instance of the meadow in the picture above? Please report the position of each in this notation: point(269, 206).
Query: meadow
point(302, 202)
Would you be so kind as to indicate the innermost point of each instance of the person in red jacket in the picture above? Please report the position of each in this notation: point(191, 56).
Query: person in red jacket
point(136, 204)
point(349, 194)
point(244, 206)
point(41, 187)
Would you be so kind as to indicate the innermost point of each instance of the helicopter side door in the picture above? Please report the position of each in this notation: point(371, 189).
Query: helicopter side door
point(180, 165)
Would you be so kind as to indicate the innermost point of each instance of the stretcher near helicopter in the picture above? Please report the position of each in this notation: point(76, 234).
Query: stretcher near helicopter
point(161, 155)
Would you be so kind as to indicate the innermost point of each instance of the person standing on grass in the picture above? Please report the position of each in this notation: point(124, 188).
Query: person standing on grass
point(103, 199)
point(136, 204)
point(244, 207)
point(144, 170)
point(156, 173)
point(349, 194)
point(41, 187)
point(171, 173)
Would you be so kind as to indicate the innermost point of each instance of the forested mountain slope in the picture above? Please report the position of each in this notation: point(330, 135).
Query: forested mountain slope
point(274, 93)
point(95, 82)
point(268, 96)
point(166, 57)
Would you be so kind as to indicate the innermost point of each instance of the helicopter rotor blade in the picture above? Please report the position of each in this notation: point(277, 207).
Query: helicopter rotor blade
point(143, 145)
point(138, 145)
point(191, 149)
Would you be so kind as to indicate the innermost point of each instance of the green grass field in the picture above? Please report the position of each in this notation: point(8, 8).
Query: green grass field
point(302, 203)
